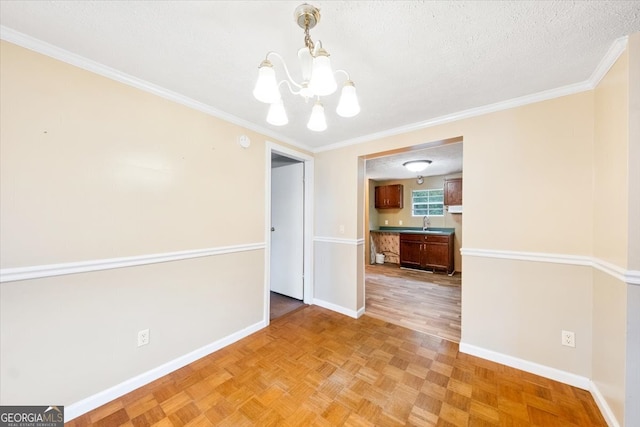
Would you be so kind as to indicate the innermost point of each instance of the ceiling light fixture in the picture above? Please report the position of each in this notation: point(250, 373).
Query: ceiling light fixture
point(416, 165)
point(318, 79)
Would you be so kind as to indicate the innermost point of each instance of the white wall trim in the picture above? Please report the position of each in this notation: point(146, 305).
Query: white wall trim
point(337, 308)
point(631, 277)
point(525, 365)
point(63, 55)
point(50, 270)
point(615, 50)
point(79, 61)
point(339, 240)
point(359, 313)
point(610, 269)
point(85, 405)
point(528, 256)
point(604, 407)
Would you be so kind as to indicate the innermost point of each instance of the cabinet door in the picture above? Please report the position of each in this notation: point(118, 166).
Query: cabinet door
point(394, 196)
point(411, 253)
point(453, 192)
point(389, 197)
point(380, 197)
point(437, 255)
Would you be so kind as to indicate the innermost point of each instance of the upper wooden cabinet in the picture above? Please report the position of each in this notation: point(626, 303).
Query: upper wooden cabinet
point(453, 192)
point(389, 196)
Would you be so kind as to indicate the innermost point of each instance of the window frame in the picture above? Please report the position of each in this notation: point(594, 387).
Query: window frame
point(440, 205)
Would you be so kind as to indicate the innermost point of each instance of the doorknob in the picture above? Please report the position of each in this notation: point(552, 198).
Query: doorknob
point(273, 229)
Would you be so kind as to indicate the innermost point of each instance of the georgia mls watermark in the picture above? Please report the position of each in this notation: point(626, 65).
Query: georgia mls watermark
point(32, 416)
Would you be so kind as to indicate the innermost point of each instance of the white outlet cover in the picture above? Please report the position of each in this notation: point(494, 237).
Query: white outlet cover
point(400, 222)
point(143, 337)
point(568, 338)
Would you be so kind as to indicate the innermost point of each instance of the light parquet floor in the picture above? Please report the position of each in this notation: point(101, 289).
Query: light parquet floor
point(314, 367)
point(418, 300)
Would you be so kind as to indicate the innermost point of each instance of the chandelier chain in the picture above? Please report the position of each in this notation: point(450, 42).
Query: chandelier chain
point(307, 37)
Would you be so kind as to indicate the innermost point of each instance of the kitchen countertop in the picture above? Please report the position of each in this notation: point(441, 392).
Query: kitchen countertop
point(415, 230)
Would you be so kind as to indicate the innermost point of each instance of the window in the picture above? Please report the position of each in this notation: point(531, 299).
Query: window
point(427, 202)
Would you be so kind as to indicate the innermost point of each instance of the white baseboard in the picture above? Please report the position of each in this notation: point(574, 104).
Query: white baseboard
point(337, 308)
point(527, 366)
point(92, 402)
point(359, 313)
point(605, 409)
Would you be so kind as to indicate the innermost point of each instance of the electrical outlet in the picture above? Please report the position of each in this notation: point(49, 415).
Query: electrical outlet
point(143, 337)
point(400, 222)
point(386, 222)
point(341, 228)
point(568, 338)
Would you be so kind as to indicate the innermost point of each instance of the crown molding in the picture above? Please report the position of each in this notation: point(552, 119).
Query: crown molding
point(610, 58)
point(36, 45)
point(612, 55)
point(465, 114)
point(31, 43)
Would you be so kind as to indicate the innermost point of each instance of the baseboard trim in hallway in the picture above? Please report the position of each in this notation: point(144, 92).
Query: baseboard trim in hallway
point(547, 372)
point(338, 308)
point(92, 402)
point(318, 367)
point(528, 366)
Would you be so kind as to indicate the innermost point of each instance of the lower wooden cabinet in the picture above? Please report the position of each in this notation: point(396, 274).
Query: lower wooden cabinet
point(427, 252)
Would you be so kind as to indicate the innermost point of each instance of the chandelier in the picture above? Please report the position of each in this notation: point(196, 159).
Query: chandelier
point(318, 79)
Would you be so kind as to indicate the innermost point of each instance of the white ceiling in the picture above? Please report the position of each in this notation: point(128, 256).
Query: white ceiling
point(412, 61)
point(446, 159)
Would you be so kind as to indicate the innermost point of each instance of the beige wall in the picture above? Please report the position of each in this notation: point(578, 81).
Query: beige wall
point(394, 216)
point(610, 231)
point(527, 175)
point(92, 169)
point(610, 172)
point(609, 339)
point(632, 409)
point(69, 337)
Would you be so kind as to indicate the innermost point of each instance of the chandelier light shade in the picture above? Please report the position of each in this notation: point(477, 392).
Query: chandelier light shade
point(322, 81)
point(277, 115)
point(416, 165)
point(317, 121)
point(266, 89)
point(318, 79)
point(348, 106)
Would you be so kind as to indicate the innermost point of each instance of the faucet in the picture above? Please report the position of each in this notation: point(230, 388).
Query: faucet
point(426, 223)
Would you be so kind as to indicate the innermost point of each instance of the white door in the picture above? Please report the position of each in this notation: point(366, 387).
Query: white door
point(287, 225)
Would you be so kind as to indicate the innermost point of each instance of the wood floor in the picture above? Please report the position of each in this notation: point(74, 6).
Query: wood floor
point(280, 305)
point(314, 367)
point(418, 300)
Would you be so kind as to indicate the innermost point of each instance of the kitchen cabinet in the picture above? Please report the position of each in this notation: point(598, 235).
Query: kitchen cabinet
point(453, 192)
point(427, 252)
point(389, 196)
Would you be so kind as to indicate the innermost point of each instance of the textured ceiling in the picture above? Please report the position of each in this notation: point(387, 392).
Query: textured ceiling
point(412, 61)
point(446, 159)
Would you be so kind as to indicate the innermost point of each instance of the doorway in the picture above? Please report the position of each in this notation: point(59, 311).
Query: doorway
point(288, 220)
point(420, 300)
